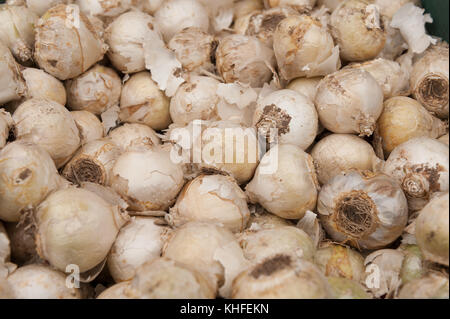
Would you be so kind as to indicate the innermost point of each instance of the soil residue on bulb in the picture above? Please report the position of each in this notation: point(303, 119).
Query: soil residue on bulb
point(271, 265)
point(273, 118)
point(355, 214)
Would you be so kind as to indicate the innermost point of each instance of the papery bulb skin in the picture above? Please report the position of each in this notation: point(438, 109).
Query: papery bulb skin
point(262, 24)
point(12, 84)
point(95, 90)
point(349, 101)
point(227, 147)
point(336, 153)
point(431, 229)
point(49, 125)
point(76, 226)
point(429, 80)
point(93, 163)
point(303, 47)
point(43, 85)
point(213, 198)
point(291, 114)
point(420, 166)
point(195, 100)
point(138, 242)
point(340, 261)
point(244, 59)
point(125, 37)
point(404, 118)
point(164, 278)
point(367, 210)
point(41, 282)
point(130, 136)
point(195, 49)
point(17, 31)
point(27, 176)
point(175, 15)
point(209, 248)
point(77, 45)
point(89, 126)
point(393, 80)
point(358, 30)
point(148, 178)
point(144, 103)
point(431, 286)
point(285, 182)
point(289, 240)
point(281, 276)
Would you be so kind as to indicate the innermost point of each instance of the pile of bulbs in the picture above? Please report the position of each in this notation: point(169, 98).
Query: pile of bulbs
point(350, 99)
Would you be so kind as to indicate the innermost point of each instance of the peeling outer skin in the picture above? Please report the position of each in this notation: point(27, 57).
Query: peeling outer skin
point(6, 123)
point(49, 125)
point(430, 80)
point(289, 240)
point(404, 118)
point(195, 49)
point(262, 24)
point(213, 198)
point(76, 226)
point(238, 103)
point(389, 263)
point(340, 261)
point(410, 20)
point(292, 189)
point(62, 49)
point(244, 59)
point(17, 30)
point(139, 241)
point(95, 90)
point(395, 44)
point(93, 163)
point(130, 136)
point(281, 277)
point(126, 50)
point(421, 167)
point(303, 47)
point(357, 30)
point(152, 184)
point(142, 102)
point(88, 125)
point(166, 70)
point(349, 101)
point(292, 114)
point(110, 118)
point(390, 76)
point(210, 249)
point(12, 84)
point(367, 210)
point(195, 100)
point(27, 176)
point(431, 230)
point(311, 225)
point(43, 85)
